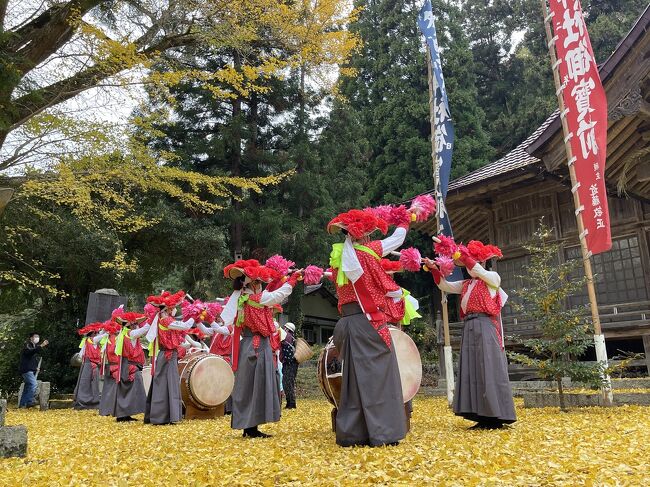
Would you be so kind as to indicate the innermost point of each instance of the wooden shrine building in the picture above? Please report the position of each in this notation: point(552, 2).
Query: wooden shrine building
point(503, 201)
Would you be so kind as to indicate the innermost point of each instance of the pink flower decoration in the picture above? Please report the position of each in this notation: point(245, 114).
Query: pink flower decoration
point(383, 211)
point(150, 310)
point(312, 275)
point(446, 247)
point(399, 215)
point(410, 259)
point(445, 264)
point(423, 206)
point(279, 264)
point(195, 309)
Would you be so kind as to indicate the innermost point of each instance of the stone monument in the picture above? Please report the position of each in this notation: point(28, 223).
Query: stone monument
point(13, 439)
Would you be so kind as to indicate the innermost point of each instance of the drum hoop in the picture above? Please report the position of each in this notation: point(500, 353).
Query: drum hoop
point(391, 327)
point(327, 382)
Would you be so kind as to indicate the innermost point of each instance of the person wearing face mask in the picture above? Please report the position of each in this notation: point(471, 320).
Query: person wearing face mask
point(29, 364)
point(255, 398)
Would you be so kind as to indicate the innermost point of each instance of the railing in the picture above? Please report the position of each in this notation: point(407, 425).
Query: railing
point(625, 320)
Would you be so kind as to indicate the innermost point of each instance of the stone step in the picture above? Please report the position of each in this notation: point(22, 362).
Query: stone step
point(63, 397)
point(60, 404)
point(572, 399)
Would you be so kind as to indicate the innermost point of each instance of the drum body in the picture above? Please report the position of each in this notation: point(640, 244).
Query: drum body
point(76, 360)
point(206, 380)
point(329, 367)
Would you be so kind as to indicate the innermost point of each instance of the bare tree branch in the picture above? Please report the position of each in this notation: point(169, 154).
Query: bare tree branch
point(47, 33)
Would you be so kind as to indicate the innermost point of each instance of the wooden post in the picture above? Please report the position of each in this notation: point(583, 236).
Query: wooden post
point(646, 349)
point(599, 339)
point(449, 364)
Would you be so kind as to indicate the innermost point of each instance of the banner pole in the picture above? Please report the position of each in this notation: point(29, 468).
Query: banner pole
point(449, 363)
point(599, 338)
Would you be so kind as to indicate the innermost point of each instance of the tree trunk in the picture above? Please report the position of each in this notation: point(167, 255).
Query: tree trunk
point(560, 390)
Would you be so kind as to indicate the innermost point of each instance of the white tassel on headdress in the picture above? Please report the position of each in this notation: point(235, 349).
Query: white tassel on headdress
point(350, 264)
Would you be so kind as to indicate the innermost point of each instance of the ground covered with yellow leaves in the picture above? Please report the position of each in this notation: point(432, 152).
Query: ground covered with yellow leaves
point(592, 446)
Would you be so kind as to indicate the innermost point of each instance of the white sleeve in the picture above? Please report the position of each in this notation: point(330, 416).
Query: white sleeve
point(139, 332)
point(269, 298)
point(451, 287)
point(182, 325)
point(98, 338)
point(395, 294)
point(205, 330)
point(393, 242)
point(193, 343)
point(491, 278)
point(222, 329)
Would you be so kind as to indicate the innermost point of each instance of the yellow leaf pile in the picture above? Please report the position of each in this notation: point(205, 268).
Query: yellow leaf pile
point(592, 446)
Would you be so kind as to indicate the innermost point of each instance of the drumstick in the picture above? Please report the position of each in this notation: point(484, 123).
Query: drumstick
point(435, 239)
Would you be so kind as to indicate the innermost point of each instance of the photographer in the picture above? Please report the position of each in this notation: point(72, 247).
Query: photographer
point(29, 364)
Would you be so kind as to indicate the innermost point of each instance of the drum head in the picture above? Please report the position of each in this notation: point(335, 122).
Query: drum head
point(409, 362)
point(329, 369)
point(146, 378)
point(211, 380)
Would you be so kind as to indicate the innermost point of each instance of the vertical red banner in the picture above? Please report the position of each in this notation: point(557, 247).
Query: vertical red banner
point(586, 114)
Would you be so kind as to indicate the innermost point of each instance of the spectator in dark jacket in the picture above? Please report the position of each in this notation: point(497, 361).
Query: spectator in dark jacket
point(289, 365)
point(29, 361)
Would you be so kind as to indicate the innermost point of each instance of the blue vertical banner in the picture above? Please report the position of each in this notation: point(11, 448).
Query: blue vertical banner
point(443, 125)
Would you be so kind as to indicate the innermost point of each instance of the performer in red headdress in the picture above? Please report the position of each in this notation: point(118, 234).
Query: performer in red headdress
point(86, 392)
point(371, 408)
point(255, 398)
point(483, 393)
point(166, 337)
point(106, 341)
point(130, 396)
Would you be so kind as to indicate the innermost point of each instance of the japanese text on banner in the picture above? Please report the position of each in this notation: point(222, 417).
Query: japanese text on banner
point(586, 114)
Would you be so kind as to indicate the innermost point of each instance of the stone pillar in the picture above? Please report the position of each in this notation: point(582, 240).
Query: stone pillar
point(44, 395)
point(101, 304)
point(3, 411)
point(13, 439)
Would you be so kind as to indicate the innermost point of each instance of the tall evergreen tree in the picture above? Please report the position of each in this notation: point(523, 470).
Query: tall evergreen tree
point(390, 94)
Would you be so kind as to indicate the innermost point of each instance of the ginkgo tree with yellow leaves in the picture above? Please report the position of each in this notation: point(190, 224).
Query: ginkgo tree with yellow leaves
point(94, 170)
point(565, 331)
point(51, 51)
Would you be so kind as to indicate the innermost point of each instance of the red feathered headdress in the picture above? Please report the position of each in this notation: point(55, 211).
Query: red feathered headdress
point(90, 328)
point(111, 327)
point(130, 318)
point(166, 299)
point(252, 269)
point(481, 252)
point(358, 223)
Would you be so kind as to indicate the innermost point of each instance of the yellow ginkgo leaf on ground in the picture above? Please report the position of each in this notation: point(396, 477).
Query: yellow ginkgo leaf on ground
point(590, 446)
